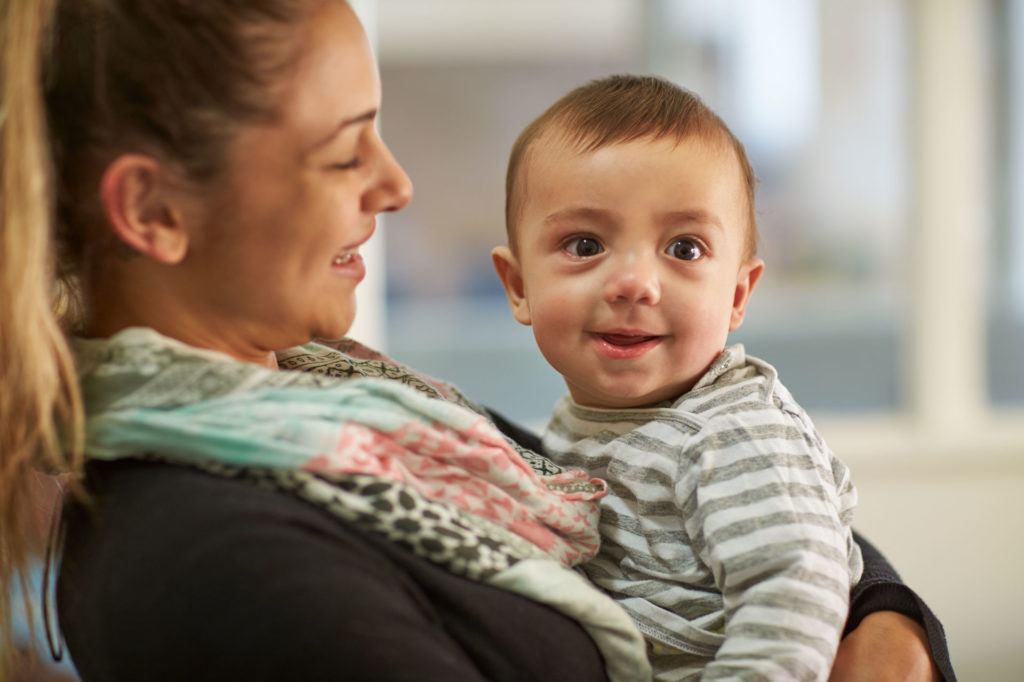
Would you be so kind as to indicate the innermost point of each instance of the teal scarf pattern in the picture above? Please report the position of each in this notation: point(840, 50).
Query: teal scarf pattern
point(372, 442)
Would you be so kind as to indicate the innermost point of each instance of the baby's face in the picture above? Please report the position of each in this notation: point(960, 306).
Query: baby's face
point(631, 266)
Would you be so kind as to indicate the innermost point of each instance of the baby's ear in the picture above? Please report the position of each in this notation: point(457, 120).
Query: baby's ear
point(511, 275)
point(750, 272)
point(139, 203)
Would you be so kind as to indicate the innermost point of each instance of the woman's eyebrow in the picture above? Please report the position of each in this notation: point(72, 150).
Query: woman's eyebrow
point(360, 118)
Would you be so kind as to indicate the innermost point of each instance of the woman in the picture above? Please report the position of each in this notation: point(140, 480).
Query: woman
point(215, 171)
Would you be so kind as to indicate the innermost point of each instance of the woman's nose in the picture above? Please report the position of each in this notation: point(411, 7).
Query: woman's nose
point(635, 280)
point(393, 189)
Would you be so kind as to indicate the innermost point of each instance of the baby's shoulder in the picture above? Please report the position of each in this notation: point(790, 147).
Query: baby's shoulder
point(749, 386)
point(746, 403)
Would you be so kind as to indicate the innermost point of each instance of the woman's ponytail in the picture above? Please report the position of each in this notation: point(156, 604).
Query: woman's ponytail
point(40, 409)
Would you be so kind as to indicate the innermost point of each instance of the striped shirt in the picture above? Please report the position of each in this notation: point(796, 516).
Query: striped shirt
point(726, 532)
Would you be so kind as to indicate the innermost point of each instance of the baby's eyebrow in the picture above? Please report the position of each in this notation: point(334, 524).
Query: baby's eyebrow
point(604, 216)
point(695, 215)
point(595, 215)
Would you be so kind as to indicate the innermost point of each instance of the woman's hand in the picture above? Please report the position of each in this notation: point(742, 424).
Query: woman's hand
point(886, 646)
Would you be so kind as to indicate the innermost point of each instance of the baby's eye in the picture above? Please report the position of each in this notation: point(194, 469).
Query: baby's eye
point(583, 247)
point(685, 248)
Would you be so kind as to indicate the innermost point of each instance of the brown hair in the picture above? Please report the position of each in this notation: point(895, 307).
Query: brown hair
point(84, 81)
point(620, 109)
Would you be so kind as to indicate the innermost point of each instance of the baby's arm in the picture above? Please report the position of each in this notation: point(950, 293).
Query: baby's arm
point(762, 514)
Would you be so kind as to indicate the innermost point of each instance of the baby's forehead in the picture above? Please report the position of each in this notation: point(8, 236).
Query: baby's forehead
point(558, 139)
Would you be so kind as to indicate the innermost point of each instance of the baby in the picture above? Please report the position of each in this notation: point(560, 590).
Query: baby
point(632, 241)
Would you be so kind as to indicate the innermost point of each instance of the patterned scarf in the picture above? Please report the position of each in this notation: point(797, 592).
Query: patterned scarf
point(407, 457)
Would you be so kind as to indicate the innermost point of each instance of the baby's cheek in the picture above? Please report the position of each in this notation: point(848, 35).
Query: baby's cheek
point(555, 339)
point(710, 316)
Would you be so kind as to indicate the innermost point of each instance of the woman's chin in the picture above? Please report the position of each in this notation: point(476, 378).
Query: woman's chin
point(335, 329)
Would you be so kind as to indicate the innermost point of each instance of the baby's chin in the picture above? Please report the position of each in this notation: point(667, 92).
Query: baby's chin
point(605, 400)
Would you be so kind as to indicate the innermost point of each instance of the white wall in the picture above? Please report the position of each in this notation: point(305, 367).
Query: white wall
point(955, 534)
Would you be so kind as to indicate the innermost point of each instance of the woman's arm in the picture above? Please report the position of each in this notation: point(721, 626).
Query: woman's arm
point(887, 647)
point(891, 634)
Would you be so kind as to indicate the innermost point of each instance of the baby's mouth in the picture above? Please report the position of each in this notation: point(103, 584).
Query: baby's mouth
point(626, 339)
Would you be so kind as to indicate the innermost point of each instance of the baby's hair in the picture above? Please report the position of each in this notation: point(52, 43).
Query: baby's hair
point(621, 109)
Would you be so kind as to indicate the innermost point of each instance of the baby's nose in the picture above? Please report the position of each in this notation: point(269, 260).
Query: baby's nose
point(633, 281)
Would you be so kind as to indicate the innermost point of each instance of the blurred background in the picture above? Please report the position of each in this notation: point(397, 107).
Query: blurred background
point(888, 137)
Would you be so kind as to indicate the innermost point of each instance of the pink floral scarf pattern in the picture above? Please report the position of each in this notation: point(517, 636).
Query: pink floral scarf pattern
point(149, 394)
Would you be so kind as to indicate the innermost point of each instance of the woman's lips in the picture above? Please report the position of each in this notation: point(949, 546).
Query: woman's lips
point(625, 345)
point(348, 262)
point(350, 265)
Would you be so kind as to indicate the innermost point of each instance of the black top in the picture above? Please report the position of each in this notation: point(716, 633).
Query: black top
point(175, 574)
point(181, 575)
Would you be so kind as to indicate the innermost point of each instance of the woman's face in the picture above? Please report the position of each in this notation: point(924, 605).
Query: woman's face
point(273, 256)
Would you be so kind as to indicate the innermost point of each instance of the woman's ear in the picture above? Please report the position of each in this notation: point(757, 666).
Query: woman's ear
point(140, 206)
point(511, 276)
point(750, 272)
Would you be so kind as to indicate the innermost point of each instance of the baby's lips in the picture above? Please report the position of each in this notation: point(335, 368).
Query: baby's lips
point(626, 339)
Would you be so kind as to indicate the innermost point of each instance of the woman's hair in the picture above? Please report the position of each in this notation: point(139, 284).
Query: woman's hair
point(83, 82)
point(619, 109)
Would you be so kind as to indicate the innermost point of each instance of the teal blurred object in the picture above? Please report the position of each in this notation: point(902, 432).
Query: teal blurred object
point(22, 633)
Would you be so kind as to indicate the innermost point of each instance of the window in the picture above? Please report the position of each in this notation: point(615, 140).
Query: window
point(817, 92)
point(1006, 284)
